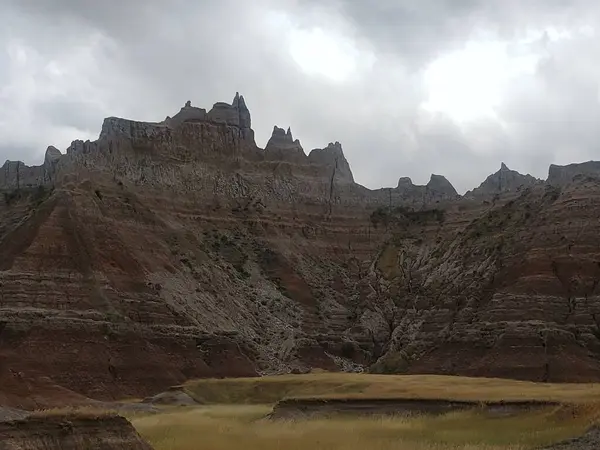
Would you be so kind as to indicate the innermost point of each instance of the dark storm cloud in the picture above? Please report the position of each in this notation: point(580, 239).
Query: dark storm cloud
point(67, 64)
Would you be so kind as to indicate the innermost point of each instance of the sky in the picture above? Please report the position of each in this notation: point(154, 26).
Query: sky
point(452, 87)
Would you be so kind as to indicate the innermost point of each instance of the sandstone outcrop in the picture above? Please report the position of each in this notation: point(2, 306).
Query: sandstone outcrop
point(179, 249)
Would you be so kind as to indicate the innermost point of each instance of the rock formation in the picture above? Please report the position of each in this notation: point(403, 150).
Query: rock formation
point(561, 175)
point(283, 147)
point(439, 188)
point(17, 175)
point(236, 114)
point(179, 249)
point(502, 182)
point(333, 156)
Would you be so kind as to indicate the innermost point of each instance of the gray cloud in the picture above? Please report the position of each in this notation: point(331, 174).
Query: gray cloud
point(67, 64)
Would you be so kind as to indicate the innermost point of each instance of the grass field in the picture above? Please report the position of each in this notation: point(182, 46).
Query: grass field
point(234, 411)
point(268, 390)
point(234, 427)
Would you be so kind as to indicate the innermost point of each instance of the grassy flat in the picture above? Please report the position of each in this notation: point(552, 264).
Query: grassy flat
point(229, 427)
point(233, 411)
point(267, 390)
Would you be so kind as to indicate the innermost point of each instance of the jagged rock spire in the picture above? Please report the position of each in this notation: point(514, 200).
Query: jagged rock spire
point(281, 138)
point(333, 156)
point(242, 104)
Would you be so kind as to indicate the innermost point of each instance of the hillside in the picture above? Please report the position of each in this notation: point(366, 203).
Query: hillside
point(179, 249)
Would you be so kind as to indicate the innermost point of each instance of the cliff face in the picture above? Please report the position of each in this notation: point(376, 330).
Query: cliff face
point(561, 175)
point(16, 175)
point(512, 294)
point(179, 249)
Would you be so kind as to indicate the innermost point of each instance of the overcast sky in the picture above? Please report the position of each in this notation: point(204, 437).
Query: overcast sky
point(409, 88)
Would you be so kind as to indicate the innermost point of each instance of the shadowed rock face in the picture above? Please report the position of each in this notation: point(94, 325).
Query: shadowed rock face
point(179, 249)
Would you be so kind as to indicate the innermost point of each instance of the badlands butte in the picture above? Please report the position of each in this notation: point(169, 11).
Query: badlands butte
point(180, 249)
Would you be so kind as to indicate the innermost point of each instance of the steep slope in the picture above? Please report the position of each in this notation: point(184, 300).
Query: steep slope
point(179, 249)
point(514, 294)
point(161, 253)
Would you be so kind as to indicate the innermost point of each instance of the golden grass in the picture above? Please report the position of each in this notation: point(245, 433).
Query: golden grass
point(235, 408)
point(231, 427)
point(267, 390)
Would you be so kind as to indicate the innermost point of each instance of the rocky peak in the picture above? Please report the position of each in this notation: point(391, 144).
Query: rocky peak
point(236, 114)
point(244, 114)
point(282, 146)
point(333, 156)
point(404, 182)
point(280, 138)
point(242, 104)
point(51, 160)
point(280, 134)
point(188, 113)
point(503, 181)
point(440, 188)
point(52, 155)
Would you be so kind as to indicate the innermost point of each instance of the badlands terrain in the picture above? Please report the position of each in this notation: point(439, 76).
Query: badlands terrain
point(179, 250)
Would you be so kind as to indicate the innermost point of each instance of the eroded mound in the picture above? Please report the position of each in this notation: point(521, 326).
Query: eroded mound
point(64, 432)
